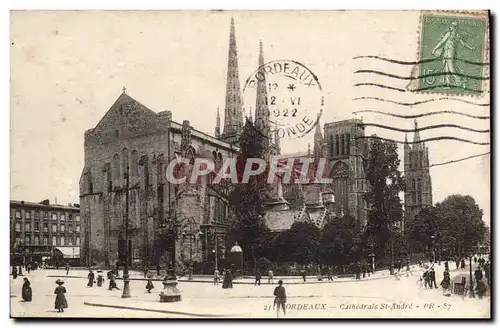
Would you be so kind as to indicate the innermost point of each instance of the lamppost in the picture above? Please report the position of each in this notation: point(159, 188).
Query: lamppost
point(433, 252)
point(471, 285)
point(191, 234)
point(126, 277)
point(237, 249)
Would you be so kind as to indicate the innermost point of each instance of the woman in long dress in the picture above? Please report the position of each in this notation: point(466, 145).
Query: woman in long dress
point(26, 291)
point(446, 283)
point(91, 277)
point(61, 303)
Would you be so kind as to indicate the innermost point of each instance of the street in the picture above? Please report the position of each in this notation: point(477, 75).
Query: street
point(380, 296)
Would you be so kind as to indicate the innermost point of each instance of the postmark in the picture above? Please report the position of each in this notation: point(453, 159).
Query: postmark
point(285, 98)
point(453, 53)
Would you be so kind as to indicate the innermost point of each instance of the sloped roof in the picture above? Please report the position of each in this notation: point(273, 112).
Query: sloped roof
point(280, 220)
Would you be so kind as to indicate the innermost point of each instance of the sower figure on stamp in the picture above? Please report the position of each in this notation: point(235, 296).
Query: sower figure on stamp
point(280, 298)
point(446, 49)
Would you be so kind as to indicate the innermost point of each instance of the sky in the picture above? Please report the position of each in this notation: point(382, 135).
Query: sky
point(68, 68)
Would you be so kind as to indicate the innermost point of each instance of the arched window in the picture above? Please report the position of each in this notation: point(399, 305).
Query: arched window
point(125, 163)
point(27, 240)
point(342, 145)
point(134, 163)
point(62, 241)
point(413, 184)
point(18, 226)
point(419, 184)
point(54, 240)
point(116, 167)
point(45, 240)
point(37, 240)
point(78, 240)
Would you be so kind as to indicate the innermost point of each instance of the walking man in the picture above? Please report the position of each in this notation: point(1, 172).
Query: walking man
point(67, 268)
point(280, 298)
point(433, 278)
point(257, 277)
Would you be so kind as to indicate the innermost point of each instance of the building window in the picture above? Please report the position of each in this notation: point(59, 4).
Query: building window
point(45, 240)
point(117, 133)
point(116, 167)
point(37, 226)
point(419, 184)
point(54, 227)
point(45, 227)
point(18, 214)
point(37, 240)
point(419, 197)
point(337, 144)
point(78, 241)
point(342, 145)
point(54, 240)
point(413, 184)
point(18, 226)
point(46, 215)
point(62, 243)
point(62, 217)
point(77, 219)
point(77, 228)
point(347, 143)
point(134, 168)
point(410, 159)
point(27, 227)
point(54, 216)
point(70, 227)
point(413, 197)
point(27, 240)
point(27, 215)
point(63, 227)
point(70, 217)
point(70, 241)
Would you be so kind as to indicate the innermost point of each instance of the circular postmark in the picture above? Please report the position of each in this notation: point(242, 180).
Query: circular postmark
point(285, 98)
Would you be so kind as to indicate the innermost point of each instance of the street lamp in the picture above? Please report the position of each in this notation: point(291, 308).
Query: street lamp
point(126, 277)
point(237, 249)
point(471, 285)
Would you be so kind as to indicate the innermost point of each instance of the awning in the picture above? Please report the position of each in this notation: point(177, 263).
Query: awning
point(69, 252)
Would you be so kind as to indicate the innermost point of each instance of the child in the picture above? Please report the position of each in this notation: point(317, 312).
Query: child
point(149, 285)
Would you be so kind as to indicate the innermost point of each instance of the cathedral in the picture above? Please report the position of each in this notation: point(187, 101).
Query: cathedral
point(418, 192)
point(128, 204)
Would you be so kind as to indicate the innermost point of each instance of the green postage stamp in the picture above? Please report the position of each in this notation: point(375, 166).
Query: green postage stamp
point(453, 52)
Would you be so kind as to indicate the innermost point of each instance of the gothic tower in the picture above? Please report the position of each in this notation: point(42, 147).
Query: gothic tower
point(217, 124)
point(233, 114)
point(262, 122)
point(418, 192)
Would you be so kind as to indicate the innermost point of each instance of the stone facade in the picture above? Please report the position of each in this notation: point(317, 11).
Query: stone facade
point(132, 138)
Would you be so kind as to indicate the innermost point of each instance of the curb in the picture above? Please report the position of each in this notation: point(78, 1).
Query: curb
point(155, 310)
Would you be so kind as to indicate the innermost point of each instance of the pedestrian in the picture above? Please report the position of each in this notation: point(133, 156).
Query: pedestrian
point(432, 276)
point(462, 263)
point(216, 276)
point(330, 275)
point(457, 263)
point(158, 268)
point(270, 276)
point(149, 285)
point(446, 266)
point(112, 282)
point(426, 278)
point(358, 271)
point(14, 272)
point(228, 280)
point(67, 268)
point(61, 303)
point(303, 273)
point(100, 278)
point(90, 277)
point(478, 274)
point(475, 260)
point(446, 283)
point(257, 277)
point(363, 269)
point(26, 291)
point(28, 268)
point(487, 268)
point(480, 288)
point(145, 271)
point(280, 298)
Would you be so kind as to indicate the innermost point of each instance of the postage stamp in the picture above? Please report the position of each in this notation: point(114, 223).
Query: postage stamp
point(452, 53)
point(288, 99)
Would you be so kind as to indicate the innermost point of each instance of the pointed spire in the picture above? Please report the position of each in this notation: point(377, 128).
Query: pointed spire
point(416, 136)
point(217, 124)
point(233, 114)
point(261, 107)
point(318, 142)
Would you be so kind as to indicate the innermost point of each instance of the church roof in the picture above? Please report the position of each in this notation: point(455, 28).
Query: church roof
point(281, 220)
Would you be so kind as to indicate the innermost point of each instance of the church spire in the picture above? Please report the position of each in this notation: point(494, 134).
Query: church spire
point(416, 137)
point(233, 115)
point(318, 142)
point(217, 124)
point(261, 107)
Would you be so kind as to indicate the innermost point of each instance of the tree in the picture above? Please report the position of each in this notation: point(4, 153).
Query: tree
point(340, 241)
point(304, 242)
point(425, 224)
point(460, 217)
point(248, 200)
point(386, 182)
